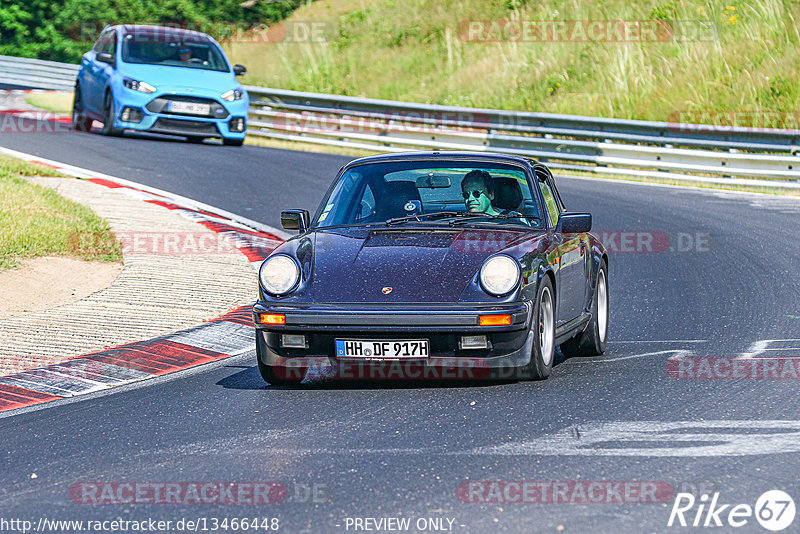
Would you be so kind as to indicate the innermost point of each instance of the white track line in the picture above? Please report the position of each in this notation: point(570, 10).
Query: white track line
point(663, 341)
point(678, 353)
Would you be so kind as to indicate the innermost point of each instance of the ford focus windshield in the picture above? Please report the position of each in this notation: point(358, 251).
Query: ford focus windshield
point(452, 192)
point(172, 51)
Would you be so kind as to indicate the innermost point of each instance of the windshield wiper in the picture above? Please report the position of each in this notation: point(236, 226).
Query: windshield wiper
point(433, 215)
point(473, 216)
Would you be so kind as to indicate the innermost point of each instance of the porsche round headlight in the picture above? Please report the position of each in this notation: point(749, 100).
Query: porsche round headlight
point(499, 275)
point(279, 274)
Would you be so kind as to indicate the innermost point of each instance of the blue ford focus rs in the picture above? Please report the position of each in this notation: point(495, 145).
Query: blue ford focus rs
point(160, 80)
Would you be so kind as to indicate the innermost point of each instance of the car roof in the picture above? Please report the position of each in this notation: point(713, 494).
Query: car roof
point(170, 30)
point(444, 154)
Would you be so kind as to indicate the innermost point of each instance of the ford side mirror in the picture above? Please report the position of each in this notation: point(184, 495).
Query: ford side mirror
point(295, 220)
point(238, 70)
point(576, 223)
point(105, 57)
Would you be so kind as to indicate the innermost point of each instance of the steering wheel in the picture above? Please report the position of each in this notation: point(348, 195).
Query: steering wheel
point(194, 60)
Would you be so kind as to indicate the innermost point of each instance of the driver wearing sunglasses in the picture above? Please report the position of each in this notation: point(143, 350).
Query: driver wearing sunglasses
point(478, 193)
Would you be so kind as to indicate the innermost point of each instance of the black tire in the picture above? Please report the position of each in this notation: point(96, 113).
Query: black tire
point(232, 142)
point(592, 341)
point(543, 329)
point(277, 376)
point(80, 122)
point(108, 118)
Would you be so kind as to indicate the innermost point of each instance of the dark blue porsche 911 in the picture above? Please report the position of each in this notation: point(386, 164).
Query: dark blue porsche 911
point(465, 262)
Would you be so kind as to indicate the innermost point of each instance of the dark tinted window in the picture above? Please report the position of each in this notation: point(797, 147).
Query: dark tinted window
point(173, 50)
point(375, 193)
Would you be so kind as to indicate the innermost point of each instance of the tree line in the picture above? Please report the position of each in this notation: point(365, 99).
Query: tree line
point(63, 30)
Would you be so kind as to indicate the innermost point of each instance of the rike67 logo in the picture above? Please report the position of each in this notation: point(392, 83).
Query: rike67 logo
point(774, 510)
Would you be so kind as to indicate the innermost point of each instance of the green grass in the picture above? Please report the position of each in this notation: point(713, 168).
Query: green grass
point(410, 50)
point(36, 221)
point(55, 102)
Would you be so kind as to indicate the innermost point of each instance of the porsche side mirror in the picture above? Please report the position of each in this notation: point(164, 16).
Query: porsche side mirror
point(238, 70)
point(576, 223)
point(105, 57)
point(295, 220)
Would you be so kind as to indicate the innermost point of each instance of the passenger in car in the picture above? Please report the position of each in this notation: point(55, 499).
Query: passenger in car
point(478, 192)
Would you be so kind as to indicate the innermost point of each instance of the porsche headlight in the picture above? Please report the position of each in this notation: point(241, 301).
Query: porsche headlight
point(233, 94)
point(499, 275)
point(279, 274)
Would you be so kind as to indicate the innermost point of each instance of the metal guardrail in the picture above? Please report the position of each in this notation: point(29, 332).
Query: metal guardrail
point(37, 73)
point(570, 142)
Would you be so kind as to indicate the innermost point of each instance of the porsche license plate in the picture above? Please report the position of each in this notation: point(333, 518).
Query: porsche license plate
point(391, 350)
point(189, 107)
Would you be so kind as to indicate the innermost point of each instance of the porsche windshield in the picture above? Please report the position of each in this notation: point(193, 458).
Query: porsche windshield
point(431, 192)
point(172, 51)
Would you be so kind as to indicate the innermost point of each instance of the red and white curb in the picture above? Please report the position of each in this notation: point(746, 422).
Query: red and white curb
point(229, 335)
point(255, 244)
point(28, 91)
point(23, 121)
point(31, 119)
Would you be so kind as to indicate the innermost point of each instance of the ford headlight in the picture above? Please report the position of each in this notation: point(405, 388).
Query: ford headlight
point(233, 94)
point(499, 275)
point(279, 274)
point(142, 87)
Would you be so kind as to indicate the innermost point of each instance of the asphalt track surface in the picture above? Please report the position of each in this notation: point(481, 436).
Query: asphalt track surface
point(385, 449)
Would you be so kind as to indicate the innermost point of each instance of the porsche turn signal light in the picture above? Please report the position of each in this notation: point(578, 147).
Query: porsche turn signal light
point(495, 320)
point(272, 318)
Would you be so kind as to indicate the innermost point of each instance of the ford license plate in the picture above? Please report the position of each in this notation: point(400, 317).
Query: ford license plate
point(390, 350)
point(193, 108)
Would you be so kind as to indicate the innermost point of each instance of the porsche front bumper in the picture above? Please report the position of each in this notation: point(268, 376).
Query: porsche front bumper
point(509, 346)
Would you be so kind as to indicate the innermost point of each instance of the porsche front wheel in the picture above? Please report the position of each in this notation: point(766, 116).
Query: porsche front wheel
point(543, 330)
point(277, 375)
point(281, 376)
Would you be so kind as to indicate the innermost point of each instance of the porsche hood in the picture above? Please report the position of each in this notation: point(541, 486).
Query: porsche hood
point(404, 265)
